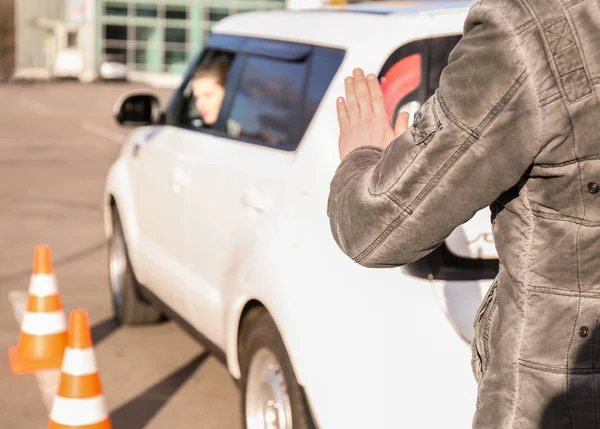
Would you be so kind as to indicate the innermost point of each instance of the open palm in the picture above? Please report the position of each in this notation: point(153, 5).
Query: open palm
point(362, 117)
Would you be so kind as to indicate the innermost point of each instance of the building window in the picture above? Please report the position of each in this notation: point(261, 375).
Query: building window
point(216, 14)
point(176, 12)
point(144, 34)
point(140, 56)
point(115, 32)
point(115, 9)
point(175, 35)
point(175, 61)
point(72, 39)
point(116, 54)
point(146, 11)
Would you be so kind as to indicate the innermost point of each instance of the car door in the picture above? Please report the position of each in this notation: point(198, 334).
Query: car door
point(160, 187)
point(239, 167)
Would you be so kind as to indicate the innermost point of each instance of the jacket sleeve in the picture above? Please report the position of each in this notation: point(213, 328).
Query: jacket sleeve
point(470, 142)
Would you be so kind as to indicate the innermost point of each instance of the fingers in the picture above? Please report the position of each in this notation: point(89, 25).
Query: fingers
point(377, 99)
point(352, 99)
point(401, 123)
point(342, 112)
point(362, 92)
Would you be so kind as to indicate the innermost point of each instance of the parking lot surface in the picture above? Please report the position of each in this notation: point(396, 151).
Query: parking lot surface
point(57, 141)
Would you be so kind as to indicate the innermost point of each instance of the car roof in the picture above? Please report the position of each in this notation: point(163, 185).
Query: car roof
point(342, 25)
point(400, 7)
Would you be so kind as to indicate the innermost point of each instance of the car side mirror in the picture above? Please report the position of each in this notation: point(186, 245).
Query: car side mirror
point(138, 110)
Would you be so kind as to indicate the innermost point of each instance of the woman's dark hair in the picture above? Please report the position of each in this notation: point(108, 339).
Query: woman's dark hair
point(217, 68)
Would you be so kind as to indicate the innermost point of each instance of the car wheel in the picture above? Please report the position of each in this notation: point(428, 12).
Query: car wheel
point(128, 307)
point(271, 395)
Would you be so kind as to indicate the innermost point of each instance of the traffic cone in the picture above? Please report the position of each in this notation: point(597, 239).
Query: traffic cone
point(79, 401)
point(43, 335)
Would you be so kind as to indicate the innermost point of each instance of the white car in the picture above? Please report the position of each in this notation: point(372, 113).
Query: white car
point(225, 229)
point(112, 70)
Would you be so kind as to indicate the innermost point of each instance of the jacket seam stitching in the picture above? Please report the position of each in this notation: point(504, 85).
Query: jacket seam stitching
point(571, 3)
point(452, 117)
point(420, 147)
point(557, 369)
point(551, 60)
point(468, 143)
point(399, 202)
point(548, 290)
point(487, 329)
point(524, 27)
point(566, 163)
point(568, 396)
point(550, 99)
point(338, 207)
point(585, 64)
point(565, 218)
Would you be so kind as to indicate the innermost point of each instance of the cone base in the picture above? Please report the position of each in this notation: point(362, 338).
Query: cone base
point(105, 424)
point(21, 365)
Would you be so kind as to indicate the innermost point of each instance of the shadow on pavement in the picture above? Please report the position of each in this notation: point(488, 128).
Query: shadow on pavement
point(103, 329)
point(138, 412)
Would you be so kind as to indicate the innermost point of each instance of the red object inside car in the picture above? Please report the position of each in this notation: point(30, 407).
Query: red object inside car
point(400, 80)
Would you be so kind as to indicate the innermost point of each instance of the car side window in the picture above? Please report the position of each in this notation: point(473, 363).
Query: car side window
point(323, 68)
point(267, 102)
point(204, 93)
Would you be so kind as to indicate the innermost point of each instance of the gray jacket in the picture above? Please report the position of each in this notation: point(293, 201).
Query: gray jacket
point(514, 125)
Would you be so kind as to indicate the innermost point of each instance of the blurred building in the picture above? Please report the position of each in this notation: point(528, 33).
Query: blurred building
point(154, 38)
point(7, 39)
point(160, 37)
point(34, 44)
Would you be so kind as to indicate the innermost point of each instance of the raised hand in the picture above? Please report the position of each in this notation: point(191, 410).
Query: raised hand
point(362, 117)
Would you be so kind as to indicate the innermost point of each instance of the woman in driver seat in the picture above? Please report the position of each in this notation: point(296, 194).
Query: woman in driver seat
point(208, 87)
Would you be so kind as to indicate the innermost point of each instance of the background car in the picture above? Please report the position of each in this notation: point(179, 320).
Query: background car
point(224, 229)
point(113, 68)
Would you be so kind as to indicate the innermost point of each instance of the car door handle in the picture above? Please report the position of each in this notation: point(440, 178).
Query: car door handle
point(253, 199)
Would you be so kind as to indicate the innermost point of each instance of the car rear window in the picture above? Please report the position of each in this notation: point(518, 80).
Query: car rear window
point(267, 100)
point(324, 65)
point(273, 94)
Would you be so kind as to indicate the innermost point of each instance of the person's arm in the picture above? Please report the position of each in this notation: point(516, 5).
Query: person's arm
point(472, 141)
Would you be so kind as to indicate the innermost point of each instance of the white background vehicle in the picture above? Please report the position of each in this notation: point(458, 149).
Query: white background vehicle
point(113, 68)
point(68, 64)
point(228, 233)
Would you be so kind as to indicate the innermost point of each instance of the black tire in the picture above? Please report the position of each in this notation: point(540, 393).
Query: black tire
point(132, 308)
point(260, 332)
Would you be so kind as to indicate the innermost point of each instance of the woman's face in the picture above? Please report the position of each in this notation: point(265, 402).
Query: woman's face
point(209, 96)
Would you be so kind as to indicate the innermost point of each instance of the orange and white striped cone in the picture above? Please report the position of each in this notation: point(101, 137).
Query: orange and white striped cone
point(43, 335)
point(79, 402)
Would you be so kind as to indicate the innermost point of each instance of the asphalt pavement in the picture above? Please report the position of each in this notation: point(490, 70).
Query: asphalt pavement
point(57, 141)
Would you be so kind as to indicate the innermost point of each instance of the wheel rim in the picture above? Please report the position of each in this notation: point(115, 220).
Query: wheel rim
point(117, 264)
point(267, 400)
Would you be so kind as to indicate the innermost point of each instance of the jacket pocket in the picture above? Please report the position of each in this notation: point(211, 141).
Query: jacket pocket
point(480, 347)
point(426, 122)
